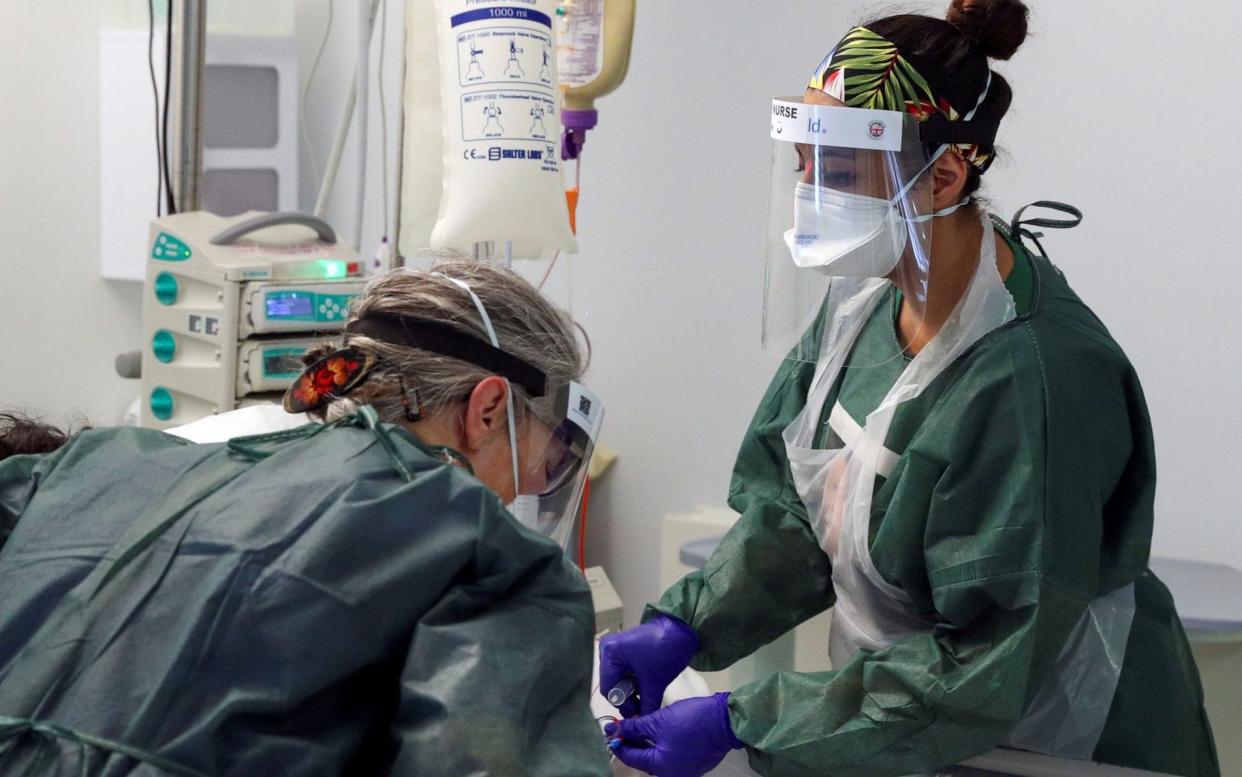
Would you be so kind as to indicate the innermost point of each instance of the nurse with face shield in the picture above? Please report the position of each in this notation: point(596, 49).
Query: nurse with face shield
point(955, 457)
point(344, 597)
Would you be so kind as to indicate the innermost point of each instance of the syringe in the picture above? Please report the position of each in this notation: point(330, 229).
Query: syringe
point(621, 693)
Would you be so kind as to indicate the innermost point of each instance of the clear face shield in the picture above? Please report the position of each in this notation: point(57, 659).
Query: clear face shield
point(551, 456)
point(553, 475)
point(851, 198)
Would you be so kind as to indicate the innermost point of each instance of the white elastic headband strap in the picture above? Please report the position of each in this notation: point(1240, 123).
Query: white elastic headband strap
point(982, 98)
point(478, 305)
point(987, 87)
point(491, 333)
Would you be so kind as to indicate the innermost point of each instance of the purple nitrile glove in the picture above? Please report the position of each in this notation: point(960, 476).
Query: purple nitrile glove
point(685, 739)
point(652, 655)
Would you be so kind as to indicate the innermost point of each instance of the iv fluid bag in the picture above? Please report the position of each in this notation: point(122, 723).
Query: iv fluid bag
point(501, 120)
point(581, 50)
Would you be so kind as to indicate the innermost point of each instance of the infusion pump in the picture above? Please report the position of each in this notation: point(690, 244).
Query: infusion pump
point(230, 306)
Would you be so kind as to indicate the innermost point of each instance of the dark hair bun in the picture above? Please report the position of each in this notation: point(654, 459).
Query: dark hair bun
point(998, 27)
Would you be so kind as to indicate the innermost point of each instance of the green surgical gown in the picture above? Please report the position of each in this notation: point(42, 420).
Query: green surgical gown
point(1023, 491)
point(328, 601)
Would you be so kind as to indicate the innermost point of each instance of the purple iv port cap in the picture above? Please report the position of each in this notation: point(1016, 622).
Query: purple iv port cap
point(580, 120)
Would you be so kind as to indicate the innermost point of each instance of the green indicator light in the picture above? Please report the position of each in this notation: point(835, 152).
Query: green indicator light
point(333, 268)
point(162, 404)
point(169, 249)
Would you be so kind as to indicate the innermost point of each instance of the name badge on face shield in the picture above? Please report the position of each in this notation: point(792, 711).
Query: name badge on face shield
point(586, 410)
point(827, 125)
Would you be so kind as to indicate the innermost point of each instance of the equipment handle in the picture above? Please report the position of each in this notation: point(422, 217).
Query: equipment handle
point(237, 232)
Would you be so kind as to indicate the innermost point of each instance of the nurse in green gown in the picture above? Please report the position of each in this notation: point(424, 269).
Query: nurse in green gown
point(956, 457)
point(342, 598)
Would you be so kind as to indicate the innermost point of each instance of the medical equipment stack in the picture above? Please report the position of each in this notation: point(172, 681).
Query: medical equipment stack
point(230, 306)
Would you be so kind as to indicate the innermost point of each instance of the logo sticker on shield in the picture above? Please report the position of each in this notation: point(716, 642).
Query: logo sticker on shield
point(877, 130)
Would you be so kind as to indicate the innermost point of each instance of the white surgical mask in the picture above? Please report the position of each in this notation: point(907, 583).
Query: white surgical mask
point(851, 235)
point(526, 509)
point(844, 235)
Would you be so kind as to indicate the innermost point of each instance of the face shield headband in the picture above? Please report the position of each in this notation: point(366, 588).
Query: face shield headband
point(443, 340)
point(343, 371)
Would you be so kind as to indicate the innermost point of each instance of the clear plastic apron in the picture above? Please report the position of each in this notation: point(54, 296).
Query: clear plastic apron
point(836, 485)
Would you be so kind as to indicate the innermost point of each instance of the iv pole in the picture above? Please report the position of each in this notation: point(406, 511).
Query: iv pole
point(189, 46)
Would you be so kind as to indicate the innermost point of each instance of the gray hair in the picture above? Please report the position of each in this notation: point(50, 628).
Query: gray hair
point(527, 326)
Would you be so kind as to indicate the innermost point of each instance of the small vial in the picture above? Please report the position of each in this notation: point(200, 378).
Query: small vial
point(621, 693)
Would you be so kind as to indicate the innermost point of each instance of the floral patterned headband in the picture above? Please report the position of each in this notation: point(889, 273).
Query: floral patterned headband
point(867, 70)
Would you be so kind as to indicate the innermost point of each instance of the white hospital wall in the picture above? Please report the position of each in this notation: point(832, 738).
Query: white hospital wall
point(61, 324)
point(1111, 107)
point(1123, 109)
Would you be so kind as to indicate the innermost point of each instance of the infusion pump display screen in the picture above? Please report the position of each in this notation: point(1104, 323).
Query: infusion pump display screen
point(271, 309)
point(286, 363)
point(290, 305)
